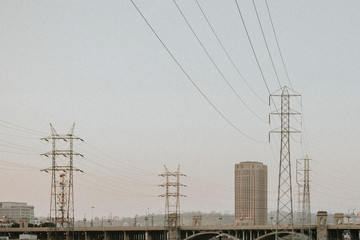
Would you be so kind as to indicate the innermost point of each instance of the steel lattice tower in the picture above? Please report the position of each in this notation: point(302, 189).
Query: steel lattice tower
point(300, 187)
point(172, 201)
point(284, 214)
point(62, 189)
point(303, 170)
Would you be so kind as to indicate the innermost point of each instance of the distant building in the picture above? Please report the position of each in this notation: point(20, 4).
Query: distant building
point(250, 193)
point(14, 211)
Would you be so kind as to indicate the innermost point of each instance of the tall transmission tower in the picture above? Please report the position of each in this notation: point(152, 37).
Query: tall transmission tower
point(300, 187)
point(62, 189)
point(172, 201)
point(284, 214)
point(299, 196)
point(303, 171)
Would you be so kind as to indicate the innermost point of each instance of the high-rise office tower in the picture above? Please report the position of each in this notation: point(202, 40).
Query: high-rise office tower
point(250, 193)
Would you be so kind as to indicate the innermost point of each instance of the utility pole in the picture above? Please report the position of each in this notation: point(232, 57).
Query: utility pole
point(172, 201)
point(284, 214)
point(62, 189)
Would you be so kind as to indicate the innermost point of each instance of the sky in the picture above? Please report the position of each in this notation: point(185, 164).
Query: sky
point(98, 64)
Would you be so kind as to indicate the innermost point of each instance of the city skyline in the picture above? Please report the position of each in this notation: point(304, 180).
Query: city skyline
point(100, 66)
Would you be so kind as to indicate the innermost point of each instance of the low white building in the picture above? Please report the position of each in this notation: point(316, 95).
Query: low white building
point(13, 211)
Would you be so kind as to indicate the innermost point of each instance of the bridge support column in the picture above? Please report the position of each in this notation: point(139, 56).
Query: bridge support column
point(147, 236)
point(106, 236)
point(243, 235)
point(251, 237)
point(126, 237)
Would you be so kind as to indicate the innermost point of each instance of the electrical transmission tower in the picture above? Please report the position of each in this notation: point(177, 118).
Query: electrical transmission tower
point(284, 214)
point(172, 201)
point(303, 181)
point(62, 190)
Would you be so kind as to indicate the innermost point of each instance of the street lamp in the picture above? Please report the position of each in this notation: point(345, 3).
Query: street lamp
point(85, 234)
point(220, 218)
point(147, 217)
point(92, 216)
point(146, 220)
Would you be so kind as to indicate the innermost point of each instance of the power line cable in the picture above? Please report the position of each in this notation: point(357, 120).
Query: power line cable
point(20, 147)
point(18, 136)
point(12, 164)
point(29, 130)
point(13, 147)
point(19, 170)
point(104, 189)
point(141, 171)
point(252, 48)
point(305, 136)
point(334, 196)
point(128, 179)
point(109, 184)
point(267, 46)
point(22, 153)
point(216, 66)
point(227, 54)
point(191, 80)
point(277, 43)
point(256, 58)
point(336, 185)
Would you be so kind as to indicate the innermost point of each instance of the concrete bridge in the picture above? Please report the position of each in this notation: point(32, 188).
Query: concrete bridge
point(320, 231)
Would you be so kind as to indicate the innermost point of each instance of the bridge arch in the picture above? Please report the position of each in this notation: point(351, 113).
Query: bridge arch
point(209, 235)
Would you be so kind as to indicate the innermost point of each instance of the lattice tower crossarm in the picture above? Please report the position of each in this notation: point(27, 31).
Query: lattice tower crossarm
point(284, 214)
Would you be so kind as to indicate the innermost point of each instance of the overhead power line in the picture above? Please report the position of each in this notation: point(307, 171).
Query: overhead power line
point(254, 53)
point(277, 43)
point(18, 136)
point(111, 191)
point(117, 162)
point(216, 66)
point(304, 141)
point(191, 80)
point(114, 174)
point(22, 153)
point(12, 164)
point(20, 128)
point(252, 48)
point(17, 146)
point(227, 54)
point(266, 44)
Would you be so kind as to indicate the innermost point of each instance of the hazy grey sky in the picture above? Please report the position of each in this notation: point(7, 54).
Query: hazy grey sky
point(98, 64)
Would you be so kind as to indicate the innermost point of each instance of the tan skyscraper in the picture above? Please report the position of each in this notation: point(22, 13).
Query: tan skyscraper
point(250, 193)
